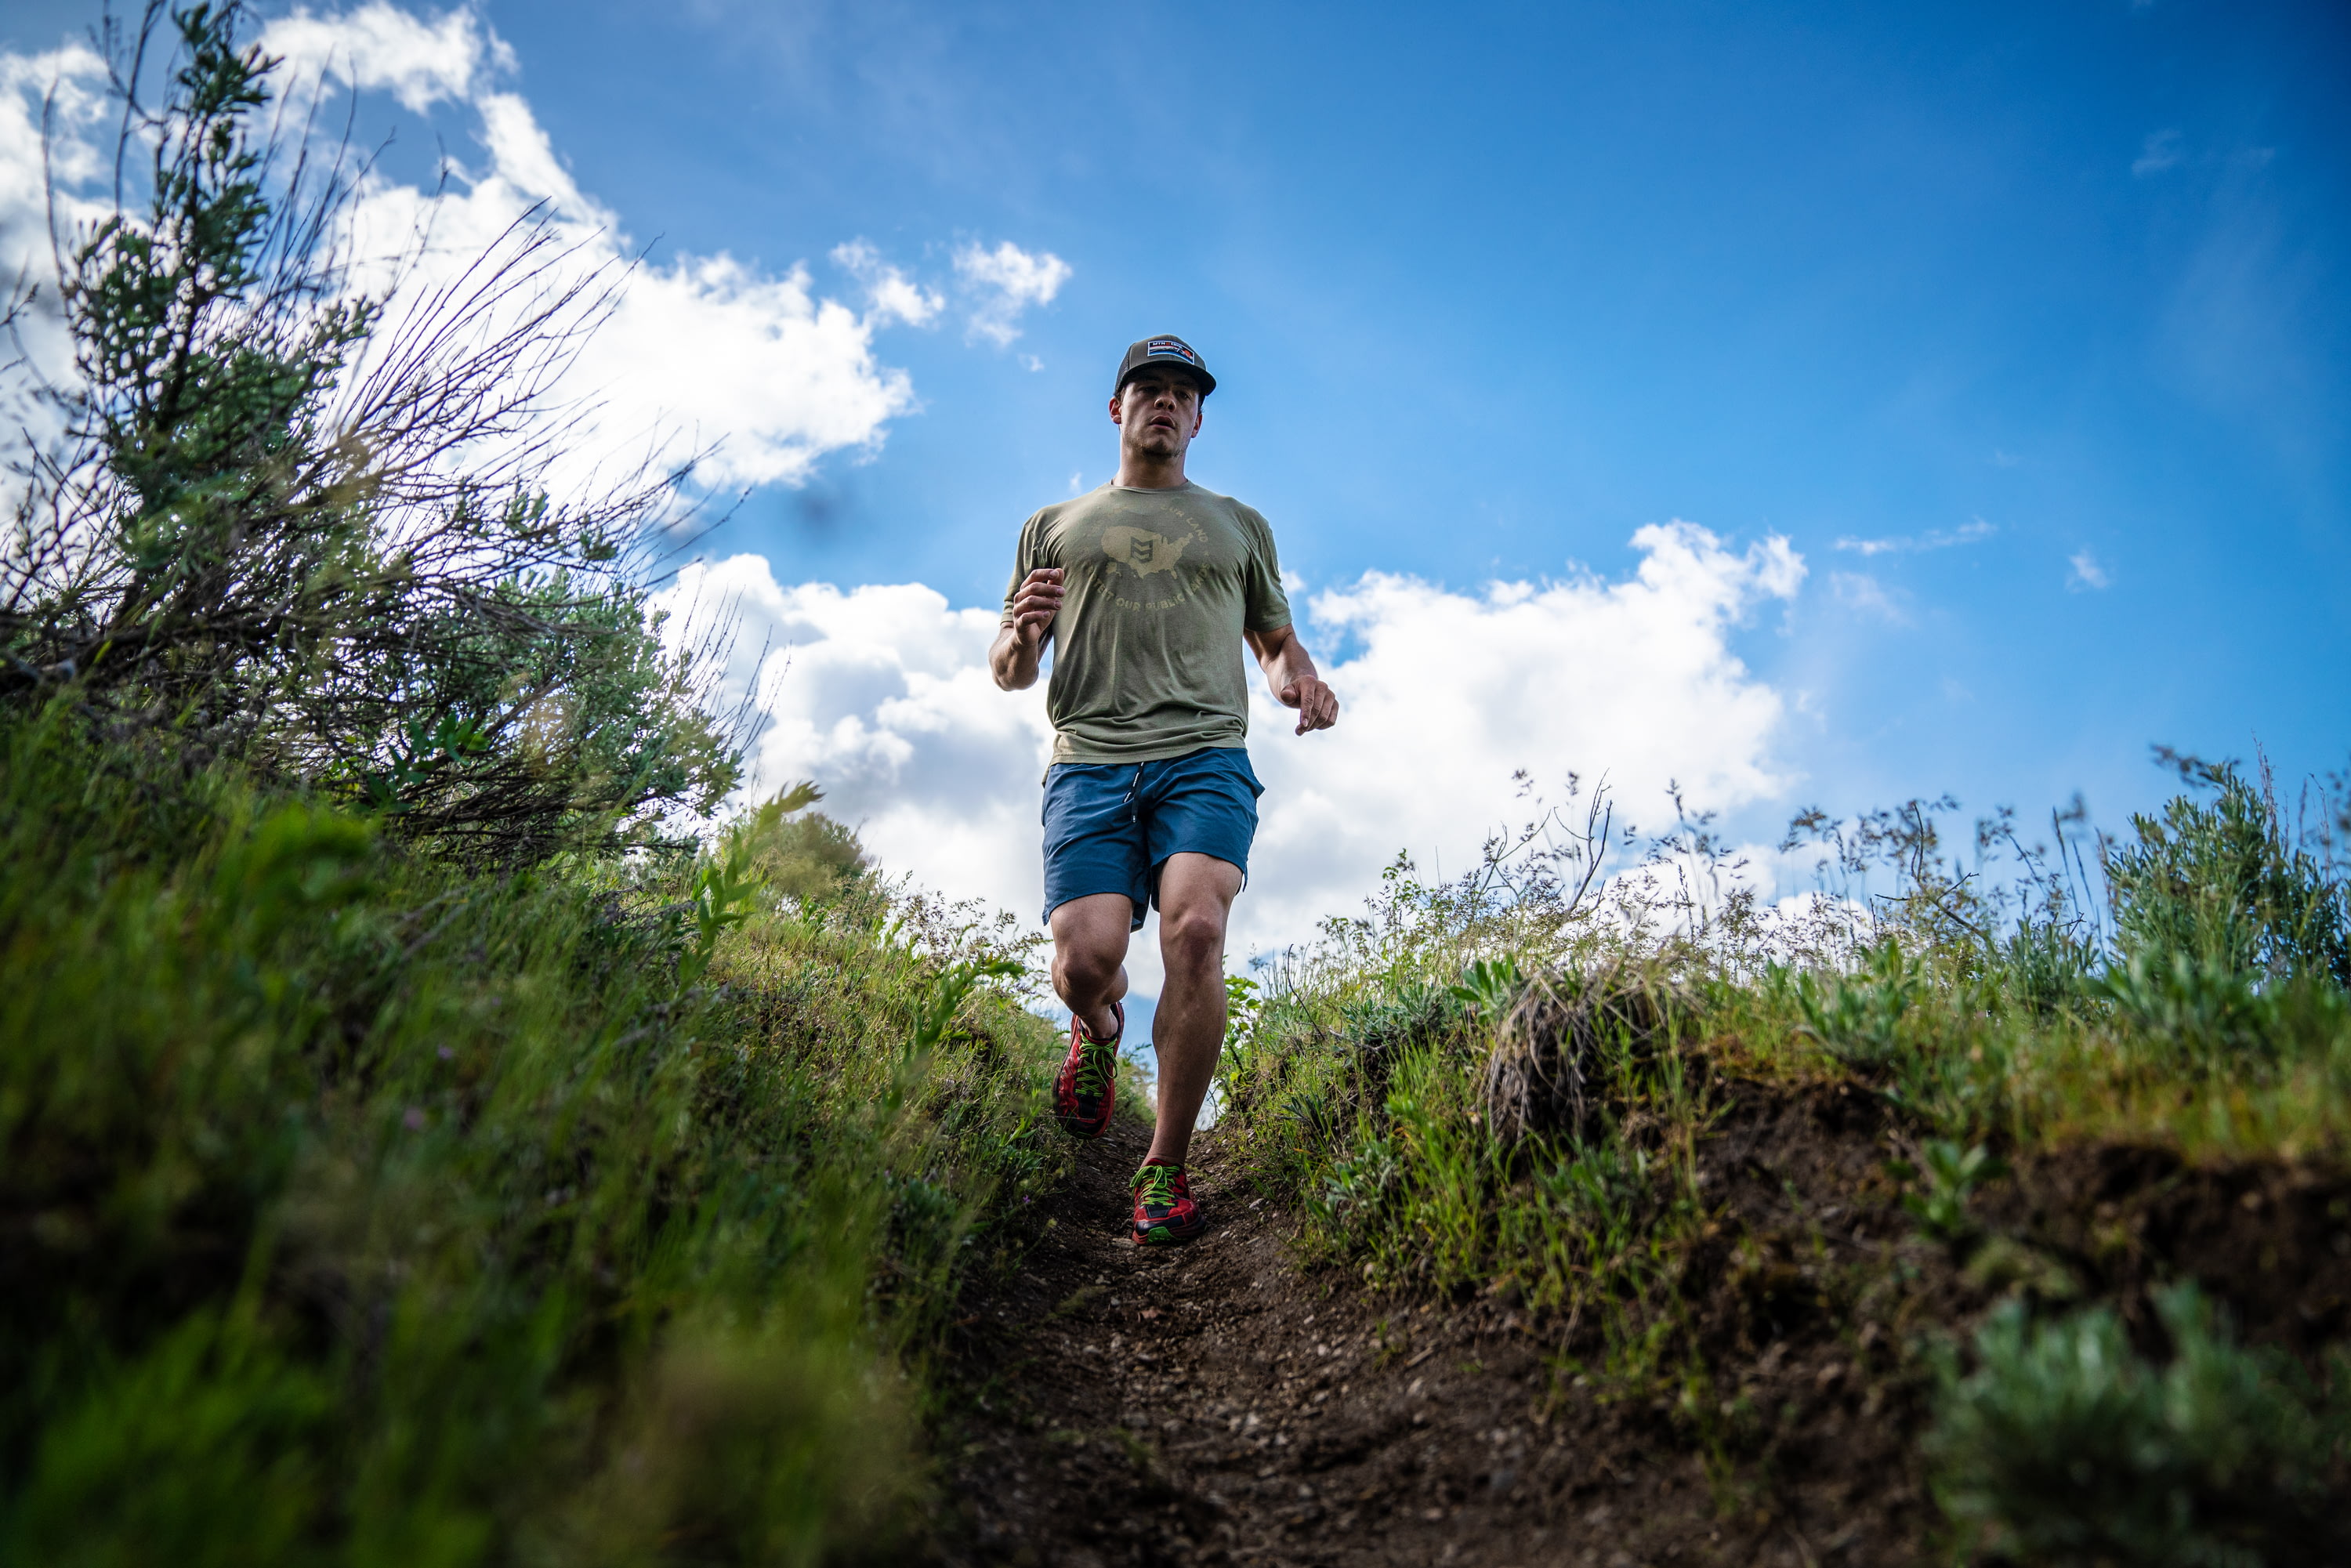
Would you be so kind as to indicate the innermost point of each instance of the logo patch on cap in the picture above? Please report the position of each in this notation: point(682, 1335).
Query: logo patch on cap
point(1171, 348)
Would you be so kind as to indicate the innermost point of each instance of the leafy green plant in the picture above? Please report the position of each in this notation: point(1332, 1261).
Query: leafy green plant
point(2063, 1447)
point(945, 997)
point(1857, 1017)
point(2218, 884)
point(2046, 963)
point(1488, 987)
point(800, 853)
point(1947, 1177)
point(2199, 1009)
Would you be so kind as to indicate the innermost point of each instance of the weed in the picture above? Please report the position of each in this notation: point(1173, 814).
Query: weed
point(1948, 1177)
point(1857, 1017)
point(1488, 986)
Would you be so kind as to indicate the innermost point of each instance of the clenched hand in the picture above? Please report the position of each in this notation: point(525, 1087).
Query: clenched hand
point(1037, 602)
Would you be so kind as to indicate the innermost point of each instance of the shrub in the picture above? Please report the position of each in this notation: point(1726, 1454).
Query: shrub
point(312, 529)
point(1858, 1018)
point(2218, 884)
point(2067, 1448)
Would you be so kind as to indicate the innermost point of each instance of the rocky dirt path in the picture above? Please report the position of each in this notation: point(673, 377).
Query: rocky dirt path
point(1213, 1403)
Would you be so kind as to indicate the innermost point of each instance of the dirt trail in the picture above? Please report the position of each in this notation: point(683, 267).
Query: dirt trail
point(1215, 1403)
point(1212, 1403)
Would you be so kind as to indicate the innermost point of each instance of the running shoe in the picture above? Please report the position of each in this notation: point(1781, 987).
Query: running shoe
point(1164, 1212)
point(1087, 1091)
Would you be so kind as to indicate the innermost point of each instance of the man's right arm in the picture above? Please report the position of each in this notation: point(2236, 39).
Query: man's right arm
point(1013, 660)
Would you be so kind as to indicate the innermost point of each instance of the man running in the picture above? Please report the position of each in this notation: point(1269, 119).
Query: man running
point(1149, 587)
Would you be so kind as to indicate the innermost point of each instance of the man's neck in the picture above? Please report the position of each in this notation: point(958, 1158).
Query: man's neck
point(1141, 471)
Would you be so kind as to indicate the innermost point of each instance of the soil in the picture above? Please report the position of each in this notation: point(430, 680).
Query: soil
point(1220, 1403)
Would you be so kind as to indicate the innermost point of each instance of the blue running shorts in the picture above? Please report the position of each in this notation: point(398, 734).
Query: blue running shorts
point(1111, 826)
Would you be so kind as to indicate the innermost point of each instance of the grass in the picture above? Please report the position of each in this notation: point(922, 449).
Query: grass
point(357, 1209)
point(1508, 1085)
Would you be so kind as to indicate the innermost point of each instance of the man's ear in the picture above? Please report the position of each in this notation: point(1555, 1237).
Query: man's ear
point(1115, 417)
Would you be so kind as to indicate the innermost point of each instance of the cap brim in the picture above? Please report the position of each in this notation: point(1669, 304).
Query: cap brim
point(1208, 382)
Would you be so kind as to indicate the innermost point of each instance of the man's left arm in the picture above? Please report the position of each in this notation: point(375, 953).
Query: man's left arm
point(1290, 672)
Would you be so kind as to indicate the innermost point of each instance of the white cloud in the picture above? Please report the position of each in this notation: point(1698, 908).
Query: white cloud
point(1002, 282)
point(1450, 693)
point(1973, 531)
point(2159, 151)
point(379, 48)
point(882, 694)
point(889, 292)
point(71, 83)
point(2086, 572)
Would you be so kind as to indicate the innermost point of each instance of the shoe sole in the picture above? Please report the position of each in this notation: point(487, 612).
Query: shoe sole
point(1161, 1236)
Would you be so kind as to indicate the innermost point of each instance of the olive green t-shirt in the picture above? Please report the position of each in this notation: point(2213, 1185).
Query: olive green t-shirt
point(1158, 587)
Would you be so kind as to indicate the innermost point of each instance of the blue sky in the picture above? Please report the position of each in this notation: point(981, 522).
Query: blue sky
point(1491, 287)
point(2026, 326)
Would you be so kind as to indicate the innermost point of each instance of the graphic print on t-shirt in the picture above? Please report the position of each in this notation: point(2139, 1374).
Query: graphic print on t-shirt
point(1143, 551)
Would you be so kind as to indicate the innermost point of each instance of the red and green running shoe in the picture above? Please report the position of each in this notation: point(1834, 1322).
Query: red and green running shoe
point(1087, 1091)
point(1164, 1212)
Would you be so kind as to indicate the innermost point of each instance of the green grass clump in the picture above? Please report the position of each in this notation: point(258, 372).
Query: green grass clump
point(360, 1209)
point(2064, 1447)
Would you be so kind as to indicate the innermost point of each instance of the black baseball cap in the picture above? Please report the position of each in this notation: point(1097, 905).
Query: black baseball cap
point(1162, 349)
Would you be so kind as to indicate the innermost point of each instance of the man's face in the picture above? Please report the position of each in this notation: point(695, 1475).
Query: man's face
point(1157, 412)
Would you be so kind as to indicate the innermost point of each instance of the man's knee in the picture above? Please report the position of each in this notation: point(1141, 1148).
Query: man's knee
point(1192, 936)
point(1087, 966)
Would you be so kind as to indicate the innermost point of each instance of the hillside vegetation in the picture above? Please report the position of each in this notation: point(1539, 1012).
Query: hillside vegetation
point(360, 1209)
point(421, 1140)
point(2035, 1201)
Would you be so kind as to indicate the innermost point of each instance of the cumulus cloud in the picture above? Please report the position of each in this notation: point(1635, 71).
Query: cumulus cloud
point(1001, 284)
point(1974, 531)
point(1448, 693)
point(379, 48)
point(66, 86)
point(2086, 573)
point(882, 693)
point(889, 292)
point(704, 350)
point(713, 349)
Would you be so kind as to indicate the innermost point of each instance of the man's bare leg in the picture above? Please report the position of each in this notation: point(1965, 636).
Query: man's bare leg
point(1089, 957)
point(1195, 898)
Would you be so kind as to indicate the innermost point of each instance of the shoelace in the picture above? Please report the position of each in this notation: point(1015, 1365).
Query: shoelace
point(1156, 1184)
point(1095, 1062)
